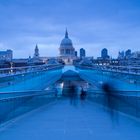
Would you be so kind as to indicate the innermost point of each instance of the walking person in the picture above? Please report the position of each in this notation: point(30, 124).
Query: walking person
point(110, 99)
point(82, 95)
point(73, 95)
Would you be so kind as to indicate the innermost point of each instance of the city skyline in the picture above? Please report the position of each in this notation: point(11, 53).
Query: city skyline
point(92, 25)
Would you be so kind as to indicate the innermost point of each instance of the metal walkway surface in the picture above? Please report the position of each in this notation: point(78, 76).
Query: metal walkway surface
point(61, 120)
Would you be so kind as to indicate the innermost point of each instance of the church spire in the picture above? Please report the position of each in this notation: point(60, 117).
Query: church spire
point(36, 53)
point(66, 33)
point(36, 47)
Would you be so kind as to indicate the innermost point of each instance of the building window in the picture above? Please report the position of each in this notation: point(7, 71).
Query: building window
point(67, 51)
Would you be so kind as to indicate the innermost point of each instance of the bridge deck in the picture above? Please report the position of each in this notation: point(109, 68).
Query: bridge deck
point(62, 121)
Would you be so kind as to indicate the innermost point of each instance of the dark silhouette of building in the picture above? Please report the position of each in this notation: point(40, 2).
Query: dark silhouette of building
point(6, 56)
point(128, 54)
point(36, 54)
point(121, 55)
point(104, 54)
point(82, 53)
point(76, 53)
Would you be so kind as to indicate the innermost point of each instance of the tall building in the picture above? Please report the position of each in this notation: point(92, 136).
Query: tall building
point(121, 55)
point(104, 54)
point(82, 53)
point(66, 50)
point(135, 55)
point(36, 53)
point(128, 54)
point(6, 55)
point(76, 54)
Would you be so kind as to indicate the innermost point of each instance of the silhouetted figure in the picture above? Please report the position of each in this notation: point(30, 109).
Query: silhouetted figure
point(9, 83)
point(56, 94)
point(108, 94)
point(110, 99)
point(107, 88)
point(73, 95)
point(83, 94)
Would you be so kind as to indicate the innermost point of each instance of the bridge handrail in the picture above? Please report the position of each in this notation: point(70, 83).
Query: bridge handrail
point(23, 70)
point(128, 70)
point(116, 92)
point(37, 66)
point(27, 94)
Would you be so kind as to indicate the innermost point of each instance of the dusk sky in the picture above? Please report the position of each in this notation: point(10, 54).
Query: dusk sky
point(92, 24)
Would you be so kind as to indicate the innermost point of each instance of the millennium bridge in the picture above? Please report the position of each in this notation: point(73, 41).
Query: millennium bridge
point(38, 103)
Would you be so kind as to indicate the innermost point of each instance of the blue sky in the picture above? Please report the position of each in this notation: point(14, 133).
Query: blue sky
point(92, 24)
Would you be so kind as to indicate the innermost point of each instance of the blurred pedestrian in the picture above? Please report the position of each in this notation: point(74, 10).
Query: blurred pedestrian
point(73, 95)
point(110, 99)
point(82, 96)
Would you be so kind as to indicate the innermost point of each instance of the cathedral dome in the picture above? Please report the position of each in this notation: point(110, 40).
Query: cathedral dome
point(66, 48)
point(66, 42)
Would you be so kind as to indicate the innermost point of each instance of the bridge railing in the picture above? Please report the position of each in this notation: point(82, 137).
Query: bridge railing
point(27, 69)
point(97, 77)
point(38, 78)
point(14, 104)
point(119, 69)
point(123, 101)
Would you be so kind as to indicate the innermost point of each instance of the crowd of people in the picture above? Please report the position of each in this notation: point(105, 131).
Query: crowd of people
point(74, 95)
